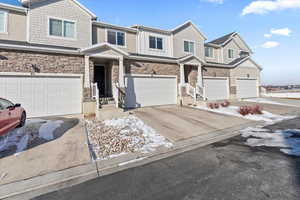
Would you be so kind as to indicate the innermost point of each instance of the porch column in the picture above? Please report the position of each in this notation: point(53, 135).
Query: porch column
point(182, 78)
point(200, 77)
point(121, 72)
point(87, 72)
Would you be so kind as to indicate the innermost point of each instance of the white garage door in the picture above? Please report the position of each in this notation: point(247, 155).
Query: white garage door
point(216, 88)
point(43, 96)
point(246, 88)
point(144, 91)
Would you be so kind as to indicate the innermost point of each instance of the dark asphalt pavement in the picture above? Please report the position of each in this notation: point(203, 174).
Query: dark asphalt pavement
point(228, 170)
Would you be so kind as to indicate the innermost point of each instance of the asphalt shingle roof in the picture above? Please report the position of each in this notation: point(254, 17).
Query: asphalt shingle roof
point(222, 39)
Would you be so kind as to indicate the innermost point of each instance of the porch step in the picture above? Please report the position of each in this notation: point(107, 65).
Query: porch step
point(106, 100)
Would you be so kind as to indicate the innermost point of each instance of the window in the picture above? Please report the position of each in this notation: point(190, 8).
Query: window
point(230, 53)
point(189, 47)
point(155, 43)
point(4, 104)
point(116, 38)
point(61, 28)
point(3, 21)
point(209, 52)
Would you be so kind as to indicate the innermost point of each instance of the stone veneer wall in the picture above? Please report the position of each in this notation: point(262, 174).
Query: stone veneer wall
point(143, 67)
point(26, 61)
point(216, 72)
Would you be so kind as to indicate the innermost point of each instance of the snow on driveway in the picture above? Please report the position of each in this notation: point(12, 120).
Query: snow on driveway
point(116, 137)
point(267, 117)
point(287, 140)
point(266, 101)
point(21, 138)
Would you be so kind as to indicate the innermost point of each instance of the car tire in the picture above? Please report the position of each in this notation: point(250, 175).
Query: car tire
point(23, 119)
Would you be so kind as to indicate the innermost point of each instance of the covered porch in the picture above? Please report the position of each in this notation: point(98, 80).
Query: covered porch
point(104, 74)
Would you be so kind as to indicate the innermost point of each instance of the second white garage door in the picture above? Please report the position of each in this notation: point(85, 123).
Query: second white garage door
point(246, 88)
point(216, 88)
point(44, 95)
point(147, 90)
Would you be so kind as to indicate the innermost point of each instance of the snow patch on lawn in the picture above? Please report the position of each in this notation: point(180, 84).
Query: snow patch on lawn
point(267, 117)
point(33, 128)
point(284, 95)
point(116, 137)
point(266, 101)
point(287, 140)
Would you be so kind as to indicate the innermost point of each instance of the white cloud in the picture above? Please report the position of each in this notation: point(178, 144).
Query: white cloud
point(282, 31)
point(215, 1)
point(265, 6)
point(270, 44)
point(267, 35)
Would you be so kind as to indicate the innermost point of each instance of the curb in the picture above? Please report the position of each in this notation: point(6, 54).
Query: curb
point(37, 186)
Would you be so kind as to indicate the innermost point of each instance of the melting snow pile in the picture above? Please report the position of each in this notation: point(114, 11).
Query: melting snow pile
point(266, 101)
point(287, 140)
point(21, 138)
point(112, 138)
point(233, 110)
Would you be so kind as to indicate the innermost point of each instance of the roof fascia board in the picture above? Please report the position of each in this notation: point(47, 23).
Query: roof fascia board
point(14, 8)
point(101, 24)
point(193, 25)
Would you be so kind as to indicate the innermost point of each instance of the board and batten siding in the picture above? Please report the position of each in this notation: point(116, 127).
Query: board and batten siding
point(63, 9)
point(189, 34)
point(16, 26)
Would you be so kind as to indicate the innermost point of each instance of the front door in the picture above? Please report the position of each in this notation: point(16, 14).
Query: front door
point(100, 80)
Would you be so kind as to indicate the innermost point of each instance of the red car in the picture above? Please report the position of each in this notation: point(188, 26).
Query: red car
point(11, 116)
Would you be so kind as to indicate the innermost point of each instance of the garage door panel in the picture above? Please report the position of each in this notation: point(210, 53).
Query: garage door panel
point(216, 89)
point(150, 91)
point(44, 96)
point(246, 88)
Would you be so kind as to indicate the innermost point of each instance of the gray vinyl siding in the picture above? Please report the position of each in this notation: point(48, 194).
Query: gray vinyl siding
point(240, 43)
point(64, 9)
point(217, 57)
point(231, 45)
point(99, 36)
point(16, 26)
point(189, 34)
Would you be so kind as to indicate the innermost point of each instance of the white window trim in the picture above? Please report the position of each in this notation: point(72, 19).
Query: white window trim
point(213, 52)
point(156, 49)
point(62, 37)
point(114, 30)
point(5, 22)
point(232, 54)
point(194, 53)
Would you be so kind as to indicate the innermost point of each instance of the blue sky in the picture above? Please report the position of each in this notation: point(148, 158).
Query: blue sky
point(218, 17)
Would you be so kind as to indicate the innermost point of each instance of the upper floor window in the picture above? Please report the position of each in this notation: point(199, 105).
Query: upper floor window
point(155, 42)
point(116, 37)
point(3, 21)
point(189, 47)
point(230, 53)
point(61, 28)
point(209, 52)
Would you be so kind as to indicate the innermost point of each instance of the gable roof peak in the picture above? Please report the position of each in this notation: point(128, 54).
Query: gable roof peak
point(222, 40)
point(26, 3)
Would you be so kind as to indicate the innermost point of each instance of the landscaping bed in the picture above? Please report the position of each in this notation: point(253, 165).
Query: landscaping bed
point(116, 137)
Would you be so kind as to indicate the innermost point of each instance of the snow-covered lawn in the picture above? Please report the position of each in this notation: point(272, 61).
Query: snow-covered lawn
point(116, 137)
point(284, 95)
point(287, 140)
point(19, 139)
point(267, 117)
point(266, 101)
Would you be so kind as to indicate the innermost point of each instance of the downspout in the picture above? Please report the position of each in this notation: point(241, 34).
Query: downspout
point(28, 22)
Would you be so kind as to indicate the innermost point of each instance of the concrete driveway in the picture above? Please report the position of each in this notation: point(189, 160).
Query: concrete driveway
point(179, 123)
point(68, 149)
